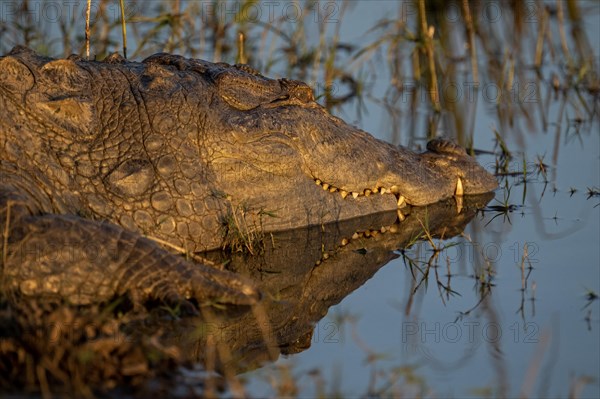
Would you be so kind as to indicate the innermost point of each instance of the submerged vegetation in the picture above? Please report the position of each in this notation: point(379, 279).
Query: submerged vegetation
point(530, 63)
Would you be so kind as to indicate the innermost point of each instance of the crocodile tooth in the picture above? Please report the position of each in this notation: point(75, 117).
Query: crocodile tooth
point(459, 204)
point(367, 233)
point(383, 229)
point(318, 182)
point(394, 189)
point(332, 189)
point(344, 242)
point(384, 190)
point(401, 216)
point(355, 194)
point(355, 236)
point(459, 188)
point(376, 190)
point(394, 228)
point(325, 186)
point(317, 263)
point(344, 193)
point(401, 202)
point(367, 192)
point(325, 256)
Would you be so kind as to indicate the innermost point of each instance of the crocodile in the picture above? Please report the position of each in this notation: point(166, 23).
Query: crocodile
point(109, 170)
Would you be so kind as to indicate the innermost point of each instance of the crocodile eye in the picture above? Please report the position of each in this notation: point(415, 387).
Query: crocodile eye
point(131, 178)
point(246, 91)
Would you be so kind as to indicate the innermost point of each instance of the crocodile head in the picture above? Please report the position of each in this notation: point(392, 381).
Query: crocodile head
point(171, 147)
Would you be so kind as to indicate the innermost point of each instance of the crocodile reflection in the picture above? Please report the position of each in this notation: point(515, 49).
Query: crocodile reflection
point(303, 273)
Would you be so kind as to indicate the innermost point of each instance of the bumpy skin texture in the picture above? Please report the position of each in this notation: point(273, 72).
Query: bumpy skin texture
point(170, 148)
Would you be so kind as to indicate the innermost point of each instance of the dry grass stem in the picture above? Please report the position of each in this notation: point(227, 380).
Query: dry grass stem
point(123, 27)
point(87, 29)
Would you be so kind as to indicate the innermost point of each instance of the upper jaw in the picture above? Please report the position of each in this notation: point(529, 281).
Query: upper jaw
point(414, 179)
point(388, 171)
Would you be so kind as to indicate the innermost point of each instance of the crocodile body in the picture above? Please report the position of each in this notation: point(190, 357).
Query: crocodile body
point(105, 164)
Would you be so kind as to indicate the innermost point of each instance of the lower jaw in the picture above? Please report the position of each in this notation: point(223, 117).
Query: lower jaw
point(309, 202)
point(322, 208)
